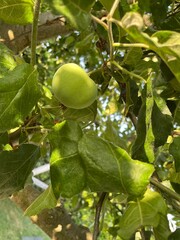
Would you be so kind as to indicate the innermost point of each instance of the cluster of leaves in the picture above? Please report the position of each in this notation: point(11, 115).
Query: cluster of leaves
point(133, 54)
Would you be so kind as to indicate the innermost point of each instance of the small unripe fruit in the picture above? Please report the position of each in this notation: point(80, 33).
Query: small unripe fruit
point(73, 87)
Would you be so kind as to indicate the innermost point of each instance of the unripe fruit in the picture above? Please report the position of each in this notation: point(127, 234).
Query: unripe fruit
point(73, 87)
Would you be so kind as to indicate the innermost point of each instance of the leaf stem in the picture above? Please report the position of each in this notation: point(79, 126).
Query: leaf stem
point(140, 45)
point(97, 216)
point(103, 24)
point(127, 72)
point(113, 8)
point(34, 31)
point(109, 23)
point(111, 40)
point(165, 189)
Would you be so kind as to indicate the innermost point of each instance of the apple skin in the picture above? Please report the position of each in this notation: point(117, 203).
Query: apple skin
point(73, 87)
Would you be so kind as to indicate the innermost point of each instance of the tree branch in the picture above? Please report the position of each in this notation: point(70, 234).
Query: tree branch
point(35, 31)
point(98, 213)
point(18, 37)
point(165, 189)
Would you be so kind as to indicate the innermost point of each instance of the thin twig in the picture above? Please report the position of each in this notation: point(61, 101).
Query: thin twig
point(97, 216)
point(111, 40)
point(128, 72)
point(113, 8)
point(133, 118)
point(110, 32)
point(103, 24)
point(34, 31)
point(165, 189)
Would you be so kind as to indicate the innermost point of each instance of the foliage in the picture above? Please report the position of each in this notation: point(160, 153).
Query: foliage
point(126, 144)
point(16, 226)
point(16, 11)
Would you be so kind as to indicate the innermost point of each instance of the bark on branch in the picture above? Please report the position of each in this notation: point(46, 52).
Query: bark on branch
point(56, 222)
point(17, 37)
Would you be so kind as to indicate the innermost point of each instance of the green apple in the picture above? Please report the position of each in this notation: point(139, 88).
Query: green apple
point(73, 87)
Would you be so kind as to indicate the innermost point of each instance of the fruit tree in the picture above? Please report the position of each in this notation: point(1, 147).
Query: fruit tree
point(91, 89)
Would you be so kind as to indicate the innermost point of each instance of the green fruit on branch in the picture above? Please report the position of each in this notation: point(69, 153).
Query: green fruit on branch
point(73, 87)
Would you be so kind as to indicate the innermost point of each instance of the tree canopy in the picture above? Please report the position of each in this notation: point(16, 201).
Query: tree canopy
point(115, 164)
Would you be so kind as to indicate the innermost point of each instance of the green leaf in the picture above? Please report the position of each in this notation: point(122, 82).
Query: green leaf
point(177, 114)
point(165, 43)
point(7, 61)
point(16, 165)
point(19, 92)
point(175, 235)
point(82, 116)
point(16, 11)
point(162, 231)
point(4, 139)
point(149, 139)
point(76, 11)
point(66, 171)
point(110, 169)
point(112, 135)
point(144, 5)
point(174, 149)
point(158, 128)
point(138, 147)
point(159, 6)
point(45, 200)
point(143, 212)
point(155, 7)
point(133, 56)
point(161, 121)
point(171, 23)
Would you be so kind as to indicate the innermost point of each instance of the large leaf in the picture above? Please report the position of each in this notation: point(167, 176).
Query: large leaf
point(153, 127)
point(19, 92)
point(76, 11)
point(110, 169)
point(143, 147)
point(67, 173)
point(16, 11)
point(165, 43)
point(44, 201)
point(142, 212)
point(16, 165)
